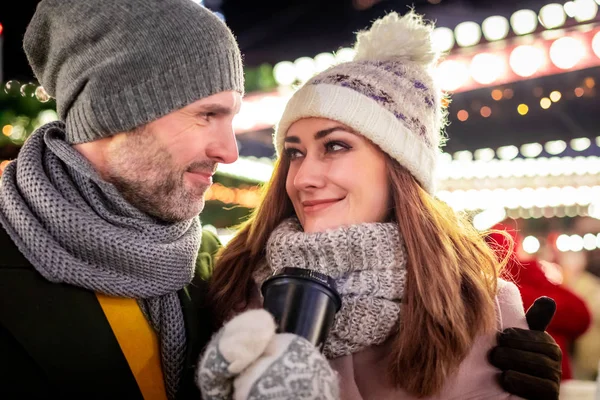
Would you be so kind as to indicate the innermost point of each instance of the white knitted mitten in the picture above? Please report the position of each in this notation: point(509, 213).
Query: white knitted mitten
point(246, 360)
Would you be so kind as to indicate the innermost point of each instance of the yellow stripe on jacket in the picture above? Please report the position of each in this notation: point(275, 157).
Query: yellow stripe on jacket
point(138, 342)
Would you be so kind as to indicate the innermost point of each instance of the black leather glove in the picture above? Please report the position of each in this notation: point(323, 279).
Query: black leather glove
point(530, 360)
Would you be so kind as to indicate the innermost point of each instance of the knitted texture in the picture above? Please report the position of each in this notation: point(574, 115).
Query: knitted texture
point(114, 65)
point(368, 262)
point(247, 360)
point(387, 93)
point(75, 228)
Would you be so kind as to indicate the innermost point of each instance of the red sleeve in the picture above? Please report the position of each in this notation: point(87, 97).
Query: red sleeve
point(572, 316)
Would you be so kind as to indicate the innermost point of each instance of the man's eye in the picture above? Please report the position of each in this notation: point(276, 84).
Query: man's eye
point(207, 115)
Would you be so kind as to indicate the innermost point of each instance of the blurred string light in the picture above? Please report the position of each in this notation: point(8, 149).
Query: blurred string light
point(577, 243)
point(526, 60)
point(260, 112)
point(15, 88)
point(463, 155)
point(19, 127)
point(345, 54)
point(596, 44)
point(495, 28)
point(284, 73)
point(41, 94)
point(28, 90)
point(584, 10)
point(524, 22)
point(522, 109)
point(594, 211)
point(249, 168)
point(555, 147)
point(486, 154)
point(545, 103)
point(482, 68)
point(244, 196)
point(507, 152)
point(566, 52)
point(467, 33)
point(305, 68)
point(451, 74)
point(488, 218)
point(45, 117)
point(590, 82)
point(324, 61)
point(531, 150)
point(555, 96)
point(487, 68)
point(525, 198)
point(485, 111)
point(570, 8)
point(590, 241)
point(531, 245)
point(443, 39)
point(580, 144)
point(463, 168)
point(7, 130)
point(552, 16)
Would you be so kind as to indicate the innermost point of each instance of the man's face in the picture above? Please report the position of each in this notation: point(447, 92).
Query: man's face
point(165, 167)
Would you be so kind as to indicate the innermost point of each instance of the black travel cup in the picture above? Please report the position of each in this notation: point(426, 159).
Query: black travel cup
point(303, 302)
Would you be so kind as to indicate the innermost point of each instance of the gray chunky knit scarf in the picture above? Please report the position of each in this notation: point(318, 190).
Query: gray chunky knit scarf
point(77, 229)
point(368, 262)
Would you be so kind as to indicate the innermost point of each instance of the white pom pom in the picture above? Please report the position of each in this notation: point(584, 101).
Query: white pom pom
point(405, 38)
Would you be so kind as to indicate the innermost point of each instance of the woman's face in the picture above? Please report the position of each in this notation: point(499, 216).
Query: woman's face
point(336, 176)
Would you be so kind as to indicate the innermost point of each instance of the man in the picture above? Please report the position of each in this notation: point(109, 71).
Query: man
point(100, 294)
point(101, 209)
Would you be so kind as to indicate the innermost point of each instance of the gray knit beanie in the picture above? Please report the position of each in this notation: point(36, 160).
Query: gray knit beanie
point(114, 65)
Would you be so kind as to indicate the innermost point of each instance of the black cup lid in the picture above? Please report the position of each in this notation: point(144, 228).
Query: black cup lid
point(308, 274)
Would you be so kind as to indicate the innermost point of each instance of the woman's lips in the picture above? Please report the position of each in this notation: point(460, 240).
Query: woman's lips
point(318, 205)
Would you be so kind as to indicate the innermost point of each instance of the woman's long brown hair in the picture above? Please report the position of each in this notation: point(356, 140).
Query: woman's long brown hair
point(451, 282)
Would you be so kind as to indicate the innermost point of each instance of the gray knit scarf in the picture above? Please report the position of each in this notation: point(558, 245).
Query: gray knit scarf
point(77, 229)
point(368, 262)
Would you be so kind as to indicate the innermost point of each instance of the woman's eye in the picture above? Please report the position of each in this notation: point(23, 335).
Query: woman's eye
point(336, 146)
point(293, 153)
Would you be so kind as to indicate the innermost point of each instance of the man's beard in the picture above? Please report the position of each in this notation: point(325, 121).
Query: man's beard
point(166, 199)
point(145, 176)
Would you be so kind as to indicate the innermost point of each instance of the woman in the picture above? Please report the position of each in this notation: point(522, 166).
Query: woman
point(352, 197)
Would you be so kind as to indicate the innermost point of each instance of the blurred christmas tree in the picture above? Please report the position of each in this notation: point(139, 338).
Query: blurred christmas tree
point(23, 108)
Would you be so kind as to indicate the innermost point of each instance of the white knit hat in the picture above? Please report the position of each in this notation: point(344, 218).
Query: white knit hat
point(386, 93)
